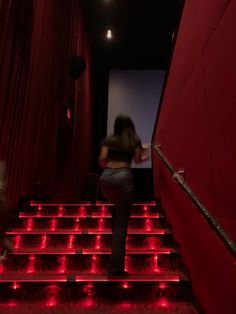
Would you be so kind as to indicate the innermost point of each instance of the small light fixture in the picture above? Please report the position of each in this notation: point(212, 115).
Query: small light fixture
point(109, 34)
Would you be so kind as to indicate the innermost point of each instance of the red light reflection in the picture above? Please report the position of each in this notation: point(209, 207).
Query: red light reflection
point(103, 210)
point(148, 224)
point(18, 239)
point(88, 302)
point(82, 211)
point(125, 285)
point(163, 285)
point(98, 242)
point(44, 241)
point(60, 210)
point(94, 264)
point(31, 265)
point(89, 289)
point(11, 303)
point(29, 224)
point(51, 302)
point(76, 225)
point(101, 224)
point(125, 305)
point(53, 224)
point(53, 295)
point(71, 241)
point(163, 302)
point(15, 285)
point(127, 263)
point(62, 264)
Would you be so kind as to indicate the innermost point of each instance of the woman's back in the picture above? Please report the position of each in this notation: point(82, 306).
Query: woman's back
point(120, 148)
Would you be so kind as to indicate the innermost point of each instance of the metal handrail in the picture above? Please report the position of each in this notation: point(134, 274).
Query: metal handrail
point(218, 229)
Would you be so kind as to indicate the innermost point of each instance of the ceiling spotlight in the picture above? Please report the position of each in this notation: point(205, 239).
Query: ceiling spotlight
point(109, 34)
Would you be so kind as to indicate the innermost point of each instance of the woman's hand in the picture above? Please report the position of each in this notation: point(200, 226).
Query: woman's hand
point(146, 153)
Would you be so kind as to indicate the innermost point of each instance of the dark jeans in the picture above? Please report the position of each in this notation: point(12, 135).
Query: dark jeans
point(117, 187)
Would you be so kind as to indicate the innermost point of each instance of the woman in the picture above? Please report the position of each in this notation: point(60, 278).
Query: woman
point(116, 155)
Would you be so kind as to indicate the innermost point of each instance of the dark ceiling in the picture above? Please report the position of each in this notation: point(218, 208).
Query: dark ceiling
point(142, 31)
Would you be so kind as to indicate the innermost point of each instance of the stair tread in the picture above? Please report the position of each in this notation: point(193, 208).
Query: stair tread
point(81, 276)
point(89, 203)
point(54, 250)
point(85, 231)
point(77, 215)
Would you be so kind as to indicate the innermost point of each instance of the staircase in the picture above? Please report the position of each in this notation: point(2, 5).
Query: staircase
point(61, 255)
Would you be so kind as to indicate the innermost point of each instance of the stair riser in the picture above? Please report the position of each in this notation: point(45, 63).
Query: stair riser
point(97, 292)
point(84, 223)
point(140, 263)
point(89, 241)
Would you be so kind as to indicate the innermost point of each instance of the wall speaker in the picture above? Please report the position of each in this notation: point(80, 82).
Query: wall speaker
point(76, 67)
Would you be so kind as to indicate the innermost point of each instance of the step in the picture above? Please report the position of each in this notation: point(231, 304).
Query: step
point(93, 291)
point(93, 305)
point(83, 208)
point(69, 214)
point(90, 262)
point(90, 241)
point(19, 231)
point(63, 251)
point(89, 203)
point(86, 224)
point(174, 276)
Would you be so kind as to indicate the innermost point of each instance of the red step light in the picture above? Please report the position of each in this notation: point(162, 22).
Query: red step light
point(43, 243)
point(60, 210)
point(17, 240)
point(62, 264)
point(163, 302)
point(71, 241)
point(101, 224)
point(125, 285)
point(98, 242)
point(29, 224)
point(15, 285)
point(82, 211)
point(11, 303)
point(53, 224)
point(31, 265)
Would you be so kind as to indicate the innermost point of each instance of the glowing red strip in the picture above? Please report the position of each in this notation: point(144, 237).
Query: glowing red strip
point(49, 279)
point(171, 278)
point(60, 204)
point(40, 215)
point(87, 231)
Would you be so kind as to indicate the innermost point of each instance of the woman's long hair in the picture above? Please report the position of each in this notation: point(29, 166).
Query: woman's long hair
point(124, 129)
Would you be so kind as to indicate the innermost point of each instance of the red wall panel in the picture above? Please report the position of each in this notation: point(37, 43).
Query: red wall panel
point(196, 129)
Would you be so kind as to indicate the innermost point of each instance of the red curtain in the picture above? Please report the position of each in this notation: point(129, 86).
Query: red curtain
point(37, 40)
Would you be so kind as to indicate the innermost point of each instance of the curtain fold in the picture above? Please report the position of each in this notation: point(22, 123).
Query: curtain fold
point(37, 40)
